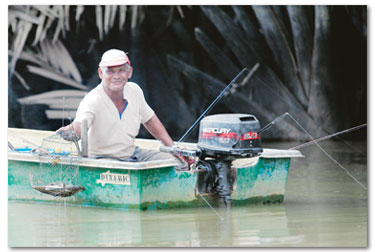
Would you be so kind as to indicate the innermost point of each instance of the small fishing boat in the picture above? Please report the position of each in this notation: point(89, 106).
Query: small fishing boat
point(60, 175)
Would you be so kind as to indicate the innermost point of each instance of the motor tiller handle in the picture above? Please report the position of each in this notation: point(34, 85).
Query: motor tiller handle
point(179, 151)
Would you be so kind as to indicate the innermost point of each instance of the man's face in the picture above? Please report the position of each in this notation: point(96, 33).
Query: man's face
point(114, 78)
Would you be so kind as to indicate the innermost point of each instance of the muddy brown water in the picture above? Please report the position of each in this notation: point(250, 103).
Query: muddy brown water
point(323, 207)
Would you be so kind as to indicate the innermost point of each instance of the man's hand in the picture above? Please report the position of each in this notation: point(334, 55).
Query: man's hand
point(68, 135)
point(188, 162)
point(72, 132)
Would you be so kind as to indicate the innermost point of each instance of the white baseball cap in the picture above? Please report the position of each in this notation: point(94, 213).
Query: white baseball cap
point(114, 57)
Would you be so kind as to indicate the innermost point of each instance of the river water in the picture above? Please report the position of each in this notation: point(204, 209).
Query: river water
point(323, 207)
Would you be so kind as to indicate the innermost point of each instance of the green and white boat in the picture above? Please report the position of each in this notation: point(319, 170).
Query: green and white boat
point(132, 185)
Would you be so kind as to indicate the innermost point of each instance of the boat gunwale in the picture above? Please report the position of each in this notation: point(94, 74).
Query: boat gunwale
point(90, 162)
point(154, 164)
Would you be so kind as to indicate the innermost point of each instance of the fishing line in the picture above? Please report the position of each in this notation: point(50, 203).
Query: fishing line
point(70, 121)
point(63, 115)
point(213, 209)
point(268, 126)
point(283, 99)
point(76, 141)
point(329, 136)
point(77, 146)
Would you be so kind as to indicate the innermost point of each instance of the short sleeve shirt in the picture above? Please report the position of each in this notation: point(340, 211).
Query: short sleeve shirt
point(108, 134)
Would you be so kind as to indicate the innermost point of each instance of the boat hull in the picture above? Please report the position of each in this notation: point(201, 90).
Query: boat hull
point(153, 188)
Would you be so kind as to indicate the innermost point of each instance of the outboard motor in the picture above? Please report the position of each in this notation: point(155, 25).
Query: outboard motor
point(230, 136)
point(222, 139)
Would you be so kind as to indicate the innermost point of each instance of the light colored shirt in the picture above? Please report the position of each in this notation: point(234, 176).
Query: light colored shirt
point(109, 134)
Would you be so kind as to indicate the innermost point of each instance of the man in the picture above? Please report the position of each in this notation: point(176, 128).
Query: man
point(114, 111)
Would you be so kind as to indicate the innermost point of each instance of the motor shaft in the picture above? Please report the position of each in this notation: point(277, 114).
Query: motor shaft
point(224, 182)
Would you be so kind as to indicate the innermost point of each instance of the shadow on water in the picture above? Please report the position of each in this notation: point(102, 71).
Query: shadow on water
point(323, 208)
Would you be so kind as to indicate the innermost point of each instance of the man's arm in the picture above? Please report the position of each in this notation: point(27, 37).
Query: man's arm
point(157, 130)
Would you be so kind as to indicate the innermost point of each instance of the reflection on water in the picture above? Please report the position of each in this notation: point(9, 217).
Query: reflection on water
point(323, 207)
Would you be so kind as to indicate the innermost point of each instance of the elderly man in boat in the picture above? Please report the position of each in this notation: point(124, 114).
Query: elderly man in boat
point(114, 111)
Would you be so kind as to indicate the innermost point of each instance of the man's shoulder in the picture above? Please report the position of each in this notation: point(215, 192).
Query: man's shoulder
point(93, 94)
point(133, 87)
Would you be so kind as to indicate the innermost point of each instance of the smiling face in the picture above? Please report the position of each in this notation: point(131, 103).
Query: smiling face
point(114, 78)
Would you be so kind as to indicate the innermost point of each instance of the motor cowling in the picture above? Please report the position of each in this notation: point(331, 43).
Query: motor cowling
point(230, 136)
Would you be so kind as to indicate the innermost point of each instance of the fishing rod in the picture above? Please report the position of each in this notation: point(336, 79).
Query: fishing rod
point(217, 99)
point(11, 146)
point(327, 137)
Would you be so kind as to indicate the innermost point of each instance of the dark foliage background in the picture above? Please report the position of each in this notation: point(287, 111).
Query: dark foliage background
point(312, 64)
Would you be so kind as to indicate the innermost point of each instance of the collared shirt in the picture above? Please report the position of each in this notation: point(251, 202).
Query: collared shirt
point(109, 134)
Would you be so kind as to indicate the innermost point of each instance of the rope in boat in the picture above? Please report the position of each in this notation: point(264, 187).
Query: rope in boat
point(268, 126)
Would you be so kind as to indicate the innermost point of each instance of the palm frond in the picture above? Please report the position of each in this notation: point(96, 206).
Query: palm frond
point(251, 30)
point(67, 64)
point(99, 20)
point(48, 24)
point(53, 97)
point(60, 25)
point(223, 62)
point(55, 76)
point(61, 114)
point(79, 12)
point(47, 10)
point(54, 57)
point(303, 42)
point(282, 50)
point(134, 11)
point(113, 15)
point(107, 16)
point(66, 17)
point(179, 8)
point(122, 18)
point(62, 103)
point(23, 29)
point(12, 22)
point(22, 80)
point(321, 82)
point(14, 14)
point(232, 35)
point(39, 30)
point(27, 56)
